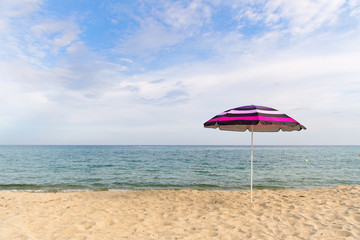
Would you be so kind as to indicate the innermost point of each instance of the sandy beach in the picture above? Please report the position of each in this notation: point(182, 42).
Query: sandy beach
point(326, 213)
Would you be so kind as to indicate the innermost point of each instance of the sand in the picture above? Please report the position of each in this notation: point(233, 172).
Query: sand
point(327, 213)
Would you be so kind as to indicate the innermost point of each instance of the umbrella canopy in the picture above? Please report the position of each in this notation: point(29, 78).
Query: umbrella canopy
point(255, 119)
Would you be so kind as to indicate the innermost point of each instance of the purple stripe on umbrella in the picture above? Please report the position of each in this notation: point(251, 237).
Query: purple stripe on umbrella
point(253, 106)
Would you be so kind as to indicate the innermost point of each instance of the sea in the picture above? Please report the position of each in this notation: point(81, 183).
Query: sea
point(99, 168)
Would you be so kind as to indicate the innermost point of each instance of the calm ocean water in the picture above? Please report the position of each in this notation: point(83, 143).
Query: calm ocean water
point(53, 168)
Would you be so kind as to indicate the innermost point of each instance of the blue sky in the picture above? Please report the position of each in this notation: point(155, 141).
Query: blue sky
point(152, 72)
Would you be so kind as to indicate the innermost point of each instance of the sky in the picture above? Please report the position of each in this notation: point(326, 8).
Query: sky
point(152, 72)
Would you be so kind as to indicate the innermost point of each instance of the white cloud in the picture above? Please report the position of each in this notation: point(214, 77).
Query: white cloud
point(149, 39)
point(186, 17)
point(31, 38)
point(18, 8)
point(12, 15)
point(165, 25)
point(354, 8)
point(297, 17)
point(19, 103)
point(304, 16)
point(54, 35)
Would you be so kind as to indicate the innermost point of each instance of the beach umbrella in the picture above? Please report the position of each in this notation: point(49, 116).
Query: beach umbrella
point(255, 119)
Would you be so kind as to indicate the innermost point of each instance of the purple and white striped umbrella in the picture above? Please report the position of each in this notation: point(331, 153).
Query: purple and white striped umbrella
point(255, 119)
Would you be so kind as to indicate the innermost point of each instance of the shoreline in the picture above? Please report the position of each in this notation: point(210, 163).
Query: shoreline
point(321, 213)
point(231, 189)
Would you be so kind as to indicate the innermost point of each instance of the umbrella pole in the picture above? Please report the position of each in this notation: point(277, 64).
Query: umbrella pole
point(251, 160)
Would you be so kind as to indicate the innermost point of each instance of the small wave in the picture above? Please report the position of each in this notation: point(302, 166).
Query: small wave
point(42, 188)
